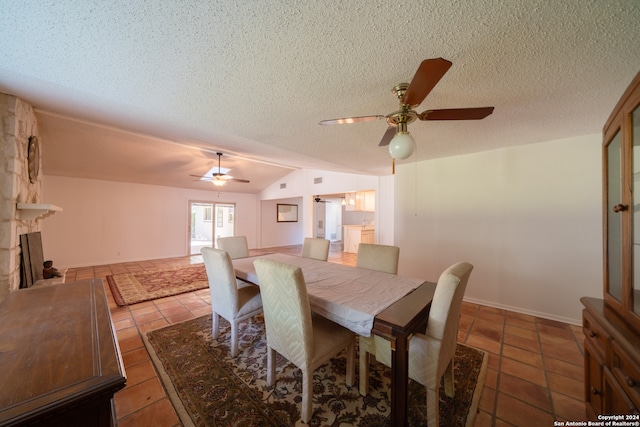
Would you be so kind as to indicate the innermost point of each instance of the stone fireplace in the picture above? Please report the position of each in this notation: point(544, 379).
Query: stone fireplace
point(18, 125)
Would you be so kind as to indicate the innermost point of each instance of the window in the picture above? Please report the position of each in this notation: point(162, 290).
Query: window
point(219, 218)
point(208, 213)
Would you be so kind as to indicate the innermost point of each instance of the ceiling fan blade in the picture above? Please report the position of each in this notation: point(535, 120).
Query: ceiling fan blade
point(201, 178)
point(239, 180)
point(428, 75)
point(350, 120)
point(456, 114)
point(388, 136)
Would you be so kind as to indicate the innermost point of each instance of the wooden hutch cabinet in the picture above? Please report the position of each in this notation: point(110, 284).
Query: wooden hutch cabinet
point(612, 325)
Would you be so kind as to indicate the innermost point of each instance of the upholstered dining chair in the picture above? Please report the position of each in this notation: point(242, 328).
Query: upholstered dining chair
point(378, 257)
point(236, 246)
point(233, 302)
point(431, 354)
point(305, 339)
point(315, 248)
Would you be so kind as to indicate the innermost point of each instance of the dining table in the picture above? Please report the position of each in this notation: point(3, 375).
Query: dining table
point(366, 302)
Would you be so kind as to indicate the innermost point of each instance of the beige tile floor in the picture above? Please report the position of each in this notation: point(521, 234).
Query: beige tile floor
point(535, 373)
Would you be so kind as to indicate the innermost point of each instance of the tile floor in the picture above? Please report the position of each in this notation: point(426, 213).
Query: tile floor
point(535, 373)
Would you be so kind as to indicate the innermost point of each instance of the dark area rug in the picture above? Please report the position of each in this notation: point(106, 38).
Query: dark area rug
point(131, 288)
point(210, 388)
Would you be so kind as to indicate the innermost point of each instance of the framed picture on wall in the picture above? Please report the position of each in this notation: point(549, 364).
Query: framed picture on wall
point(287, 213)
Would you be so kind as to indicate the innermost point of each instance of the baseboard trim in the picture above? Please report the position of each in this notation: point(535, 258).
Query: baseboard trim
point(569, 320)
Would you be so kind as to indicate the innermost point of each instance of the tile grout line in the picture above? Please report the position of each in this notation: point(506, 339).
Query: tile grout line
point(546, 375)
point(499, 370)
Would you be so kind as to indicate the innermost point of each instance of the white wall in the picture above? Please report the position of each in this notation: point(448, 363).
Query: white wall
point(107, 222)
point(385, 210)
point(276, 233)
point(528, 218)
point(357, 217)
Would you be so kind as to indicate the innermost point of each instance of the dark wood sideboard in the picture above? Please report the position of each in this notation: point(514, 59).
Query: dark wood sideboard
point(60, 363)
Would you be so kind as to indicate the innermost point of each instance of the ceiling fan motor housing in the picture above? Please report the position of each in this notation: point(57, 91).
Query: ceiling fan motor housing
point(402, 117)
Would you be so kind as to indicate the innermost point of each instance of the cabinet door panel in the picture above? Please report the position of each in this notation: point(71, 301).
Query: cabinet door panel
point(635, 129)
point(592, 381)
point(614, 214)
point(616, 402)
point(621, 213)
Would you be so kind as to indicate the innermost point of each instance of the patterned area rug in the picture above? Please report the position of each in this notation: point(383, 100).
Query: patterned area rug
point(210, 388)
point(131, 288)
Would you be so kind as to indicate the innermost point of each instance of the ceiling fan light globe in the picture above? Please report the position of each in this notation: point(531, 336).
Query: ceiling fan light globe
point(219, 182)
point(401, 146)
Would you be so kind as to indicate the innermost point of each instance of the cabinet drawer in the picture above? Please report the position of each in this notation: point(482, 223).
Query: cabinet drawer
point(595, 335)
point(626, 372)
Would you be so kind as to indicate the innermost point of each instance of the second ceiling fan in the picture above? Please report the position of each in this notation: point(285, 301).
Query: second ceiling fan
point(411, 95)
point(220, 178)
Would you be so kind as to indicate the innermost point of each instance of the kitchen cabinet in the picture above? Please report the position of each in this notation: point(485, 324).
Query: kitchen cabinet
point(356, 234)
point(361, 201)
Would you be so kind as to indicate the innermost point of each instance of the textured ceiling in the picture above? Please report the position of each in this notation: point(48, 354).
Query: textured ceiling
point(122, 87)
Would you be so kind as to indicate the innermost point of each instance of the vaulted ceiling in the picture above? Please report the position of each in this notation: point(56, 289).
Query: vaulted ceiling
point(149, 91)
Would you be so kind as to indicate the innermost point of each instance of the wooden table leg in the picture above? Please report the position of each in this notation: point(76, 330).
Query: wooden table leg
point(397, 323)
point(399, 381)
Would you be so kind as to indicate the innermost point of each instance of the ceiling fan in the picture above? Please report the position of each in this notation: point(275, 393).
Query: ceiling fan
point(219, 178)
point(411, 95)
point(319, 200)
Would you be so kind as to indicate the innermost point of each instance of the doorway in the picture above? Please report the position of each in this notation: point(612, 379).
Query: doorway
point(327, 217)
point(207, 222)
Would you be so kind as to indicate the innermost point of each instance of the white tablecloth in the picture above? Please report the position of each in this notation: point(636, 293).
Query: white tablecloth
point(349, 296)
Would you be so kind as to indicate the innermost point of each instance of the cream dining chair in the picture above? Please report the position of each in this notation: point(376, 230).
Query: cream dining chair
point(431, 354)
point(315, 248)
point(236, 246)
point(378, 257)
point(228, 300)
point(305, 339)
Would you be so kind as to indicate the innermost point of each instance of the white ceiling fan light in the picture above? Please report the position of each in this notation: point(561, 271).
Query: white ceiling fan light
point(219, 182)
point(402, 146)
